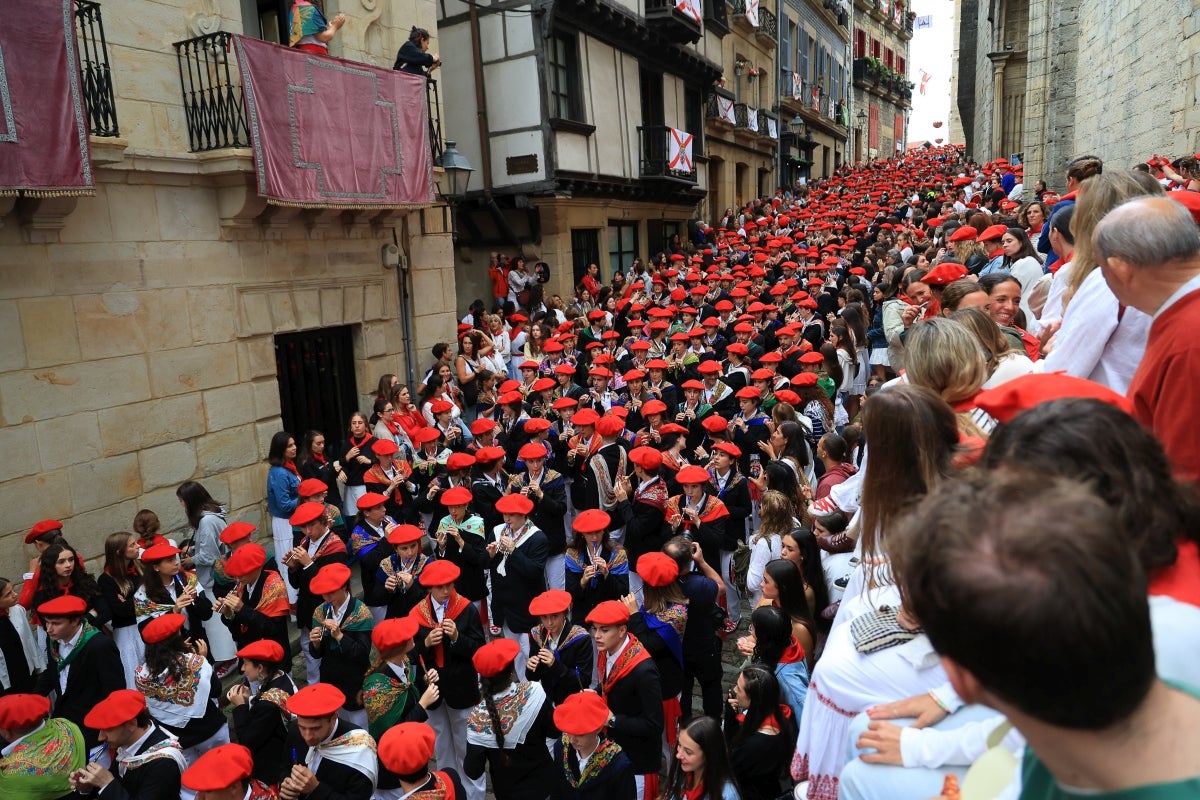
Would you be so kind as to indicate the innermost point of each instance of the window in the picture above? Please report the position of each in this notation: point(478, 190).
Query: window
point(266, 20)
point(315, 371)
point(585, 249)
point(622, 245)
point(887, 56)
point(873, 126)
point(898, 130)
point(651, 96)
point(803, 61)
point(860, 43)
point(694, 117)
point(788, 32)
point(900, 66)
point(874, 48)
point(562, 76)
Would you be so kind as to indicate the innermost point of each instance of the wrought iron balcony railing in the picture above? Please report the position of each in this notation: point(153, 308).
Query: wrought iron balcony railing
point(212, 93)
point(659, 159)
point(94, 69)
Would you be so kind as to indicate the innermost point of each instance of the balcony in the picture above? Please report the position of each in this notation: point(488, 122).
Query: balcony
point(662, 159)
point(881, 80)
point(768, 125)
point(682, 27)
point(768, 27)
point(791, 90)
point(746, 13)
point(95, 72)
point(716, 17)
point(720, 111)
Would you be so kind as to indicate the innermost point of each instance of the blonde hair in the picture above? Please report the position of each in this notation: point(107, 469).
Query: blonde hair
point(1097, 196)
point(775, 513)
point(943, 355)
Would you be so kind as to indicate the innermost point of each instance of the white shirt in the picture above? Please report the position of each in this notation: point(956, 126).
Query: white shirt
point(612, 658)
point(64, 650)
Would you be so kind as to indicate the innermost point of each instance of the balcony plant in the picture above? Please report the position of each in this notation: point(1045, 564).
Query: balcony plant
point(875, 68)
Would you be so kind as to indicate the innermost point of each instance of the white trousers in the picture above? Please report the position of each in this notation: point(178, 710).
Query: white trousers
point(732, 599)
point(450, 746)
point(281, 532)
point(556, 572)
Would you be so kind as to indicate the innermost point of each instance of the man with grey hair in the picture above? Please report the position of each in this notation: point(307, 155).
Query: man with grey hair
point(1149, 253)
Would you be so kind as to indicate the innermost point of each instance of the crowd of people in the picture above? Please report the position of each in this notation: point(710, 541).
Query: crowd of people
point(935, 488)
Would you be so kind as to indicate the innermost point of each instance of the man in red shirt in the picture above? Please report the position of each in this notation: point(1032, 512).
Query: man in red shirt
point(1149, 251)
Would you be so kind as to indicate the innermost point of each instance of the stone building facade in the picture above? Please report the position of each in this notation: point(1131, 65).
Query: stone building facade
point(164, 329)
point(882, 89)
point(1118, 80)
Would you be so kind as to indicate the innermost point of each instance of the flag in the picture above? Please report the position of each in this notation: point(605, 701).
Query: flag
point(924, 22)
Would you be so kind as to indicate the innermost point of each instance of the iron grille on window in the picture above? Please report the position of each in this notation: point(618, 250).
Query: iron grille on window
point(94, 70)
point(212, 95)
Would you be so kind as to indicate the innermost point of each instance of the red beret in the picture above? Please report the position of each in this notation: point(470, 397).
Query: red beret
point(773, 357)
point(439, 573)
point(714, 423)
point(610, 425)
point(163, 627)
point(531, 450)
point(267, 651)
point(67, 605)
point(804, 378)
point(813, 357)
point(393, 633)
point(482, 426)
point(749, 393)
point(219, 768)
point(692, 384)
point(965, 233)
point(593, 520)
point(692, 474)
point(989, 233)
point(564, 402)
point(370, 500)
point(21, 711)
point(543, 384)
point(1021, 394)
point(425, 435)
point(609, 612)
point(737, 348)
point(329, 578)
point(440, 406)
point(787, 396)
point(245, 560)
point(728, 447)
point(536, 425)
point(40, 529)
point(581, 714)
point(654, 407)
point(457, 496)
point(495, 657)
point(317, 700)
point(657, 569)
point(405, 749)
point(585, 416)
point(551, 601)
point(236, 531)
point(304, 514)
point(514, 504)
point(487, 455)
point(762, 374)
point(530, 364)
point(404, 534)
point(460, 461)
point(384, 447)
point(647, 458)
point(709, 368)
point(119, 707)
point(565, 368)
point(944, 273)
point(160, 551)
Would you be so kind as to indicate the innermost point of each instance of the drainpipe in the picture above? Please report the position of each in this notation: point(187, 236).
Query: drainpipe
point(403, 243)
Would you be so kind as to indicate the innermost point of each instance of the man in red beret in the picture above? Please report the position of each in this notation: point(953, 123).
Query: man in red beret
point(148, 761)
point(593, 764)
point(405, 751)
point(629, 682)
point(594, 486)
point(641, 504)
point(449, 631)
point(490, 484)
point(398, 586)
point(318, 548)
point(84, 664)
point(340, 638)
point(42, 751)
point(696, 514)
point(519, 552)
point(334, 758)
point(257, 606)
point(547, 489)
point(223, 773)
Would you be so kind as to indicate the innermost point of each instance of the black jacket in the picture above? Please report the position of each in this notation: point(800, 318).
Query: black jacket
point(93, 675)
point(259, 725)
point(306, 601)
point(337, 781)
point(457, 679)
point(524, 579)
point(523, 772)
point(344, 663)
point(614, 782)
point(411, 59)
point(157, 779)
point(736, 497)
point(572, 668)
point(249, 625)
point(472, 560)
point(636, 703)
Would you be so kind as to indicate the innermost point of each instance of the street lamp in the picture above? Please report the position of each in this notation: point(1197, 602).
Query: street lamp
point(861, 116)
point(452, 185)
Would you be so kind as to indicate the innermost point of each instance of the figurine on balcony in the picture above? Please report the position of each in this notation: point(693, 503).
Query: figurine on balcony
point(309, 29)
point(414, 56)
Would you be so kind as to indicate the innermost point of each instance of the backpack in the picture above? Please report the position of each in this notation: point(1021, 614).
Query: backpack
point(739, 567)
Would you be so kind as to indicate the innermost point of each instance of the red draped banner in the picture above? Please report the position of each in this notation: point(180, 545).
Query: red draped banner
point(330, 133)
point(44, 149)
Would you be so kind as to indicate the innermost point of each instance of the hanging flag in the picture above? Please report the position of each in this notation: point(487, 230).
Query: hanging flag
point(725, 110)
point(689, 8)
point(925, 76)
point(797, 87)
point(924, 22)
point(679, 151)
point(752, 12)
point(752, 118)
point(772, 128)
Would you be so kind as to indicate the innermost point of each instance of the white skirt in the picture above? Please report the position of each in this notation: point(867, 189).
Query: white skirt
point(132, 649)
point(879, 357)
point(220, 641)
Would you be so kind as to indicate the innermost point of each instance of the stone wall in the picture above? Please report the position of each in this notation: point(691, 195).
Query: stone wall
point(137, 326)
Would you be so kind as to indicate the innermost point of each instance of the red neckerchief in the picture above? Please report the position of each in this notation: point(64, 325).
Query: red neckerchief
point(332, 543)
point(793, 653)
point(630, 657)
point(393, 427)
point(319, 458)
point(1181, 580)
point(359, 443)
point(424, 615)
point(290, 466)
point(695, 792)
